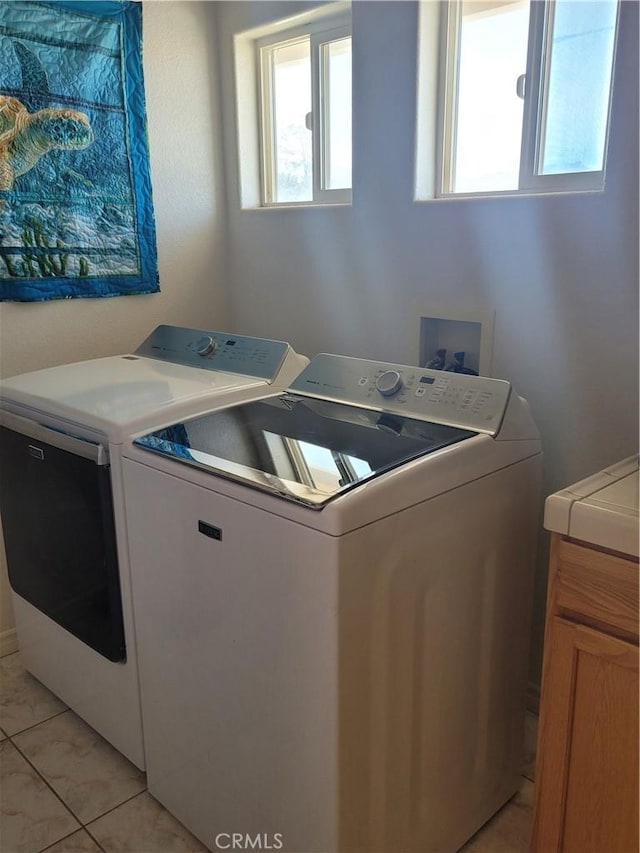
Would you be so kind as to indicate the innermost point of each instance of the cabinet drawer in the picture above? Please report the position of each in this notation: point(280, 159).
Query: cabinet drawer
point(599, 585)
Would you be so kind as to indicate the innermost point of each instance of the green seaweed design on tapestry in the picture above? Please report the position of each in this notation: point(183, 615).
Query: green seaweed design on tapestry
point(40, 259)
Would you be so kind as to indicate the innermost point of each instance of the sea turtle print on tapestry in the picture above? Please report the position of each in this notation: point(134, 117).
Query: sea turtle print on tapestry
point(32, 135)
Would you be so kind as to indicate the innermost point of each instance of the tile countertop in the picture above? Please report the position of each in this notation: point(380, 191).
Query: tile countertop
point(601, 510)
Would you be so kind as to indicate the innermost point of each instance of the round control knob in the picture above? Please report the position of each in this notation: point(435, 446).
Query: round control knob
point(206, 346)
point(389, 383)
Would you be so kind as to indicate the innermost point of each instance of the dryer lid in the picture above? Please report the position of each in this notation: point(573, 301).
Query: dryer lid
point(170, 373)
point(117, 395)
point(300, 448)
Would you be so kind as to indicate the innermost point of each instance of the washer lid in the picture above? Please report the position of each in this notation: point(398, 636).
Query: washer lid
point(119, 393)
point(300, 448)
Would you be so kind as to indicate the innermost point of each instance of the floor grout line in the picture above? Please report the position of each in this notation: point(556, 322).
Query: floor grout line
point(60, 840)
point(39, 723)
point(53, 790)
point(94, 839)
point(108, 811)
point(82, 826)
point(53, 844)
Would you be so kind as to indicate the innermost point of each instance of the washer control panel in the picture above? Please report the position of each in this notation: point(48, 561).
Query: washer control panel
point(470, 402)
point(258, 357)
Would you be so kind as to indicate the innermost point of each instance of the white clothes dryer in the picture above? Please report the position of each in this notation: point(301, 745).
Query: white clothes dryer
point(332, 590)
point(61, 434)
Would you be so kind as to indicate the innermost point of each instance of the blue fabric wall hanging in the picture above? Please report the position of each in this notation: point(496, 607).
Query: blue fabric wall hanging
point(76, 211)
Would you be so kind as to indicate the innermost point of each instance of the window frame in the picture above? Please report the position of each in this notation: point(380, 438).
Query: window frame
point(319, 34)
point(448, 71)
point(537, 66)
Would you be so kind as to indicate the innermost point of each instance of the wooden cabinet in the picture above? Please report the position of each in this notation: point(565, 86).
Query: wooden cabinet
point(587, 764)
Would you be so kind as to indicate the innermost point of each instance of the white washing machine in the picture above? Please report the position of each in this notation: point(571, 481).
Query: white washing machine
point(332, 592)
point(61, 434)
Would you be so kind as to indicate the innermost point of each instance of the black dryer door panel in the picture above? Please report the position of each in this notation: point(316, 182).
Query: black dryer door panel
point(57, 516)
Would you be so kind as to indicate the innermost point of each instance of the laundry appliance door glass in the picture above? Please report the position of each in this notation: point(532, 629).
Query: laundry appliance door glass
point(57, 516)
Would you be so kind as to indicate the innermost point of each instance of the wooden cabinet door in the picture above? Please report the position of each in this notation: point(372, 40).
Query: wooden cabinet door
point(588, 767)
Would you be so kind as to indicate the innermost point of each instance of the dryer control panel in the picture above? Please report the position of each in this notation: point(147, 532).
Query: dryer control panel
point(258, 357)
point(457, 399)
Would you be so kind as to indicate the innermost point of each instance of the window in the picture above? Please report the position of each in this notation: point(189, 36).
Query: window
point(305, 113)
point(523, 95)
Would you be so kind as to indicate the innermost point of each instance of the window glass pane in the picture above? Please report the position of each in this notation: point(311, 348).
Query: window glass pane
point(292, 102)
point(492, 55)
point(337, 111)
point(330, 470)
point(578, 86)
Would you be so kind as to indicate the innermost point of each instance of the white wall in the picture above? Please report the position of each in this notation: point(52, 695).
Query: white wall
point(184, 138)
point(561, 272)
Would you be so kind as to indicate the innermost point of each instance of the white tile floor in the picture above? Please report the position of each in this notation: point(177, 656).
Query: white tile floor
point(65, 790)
